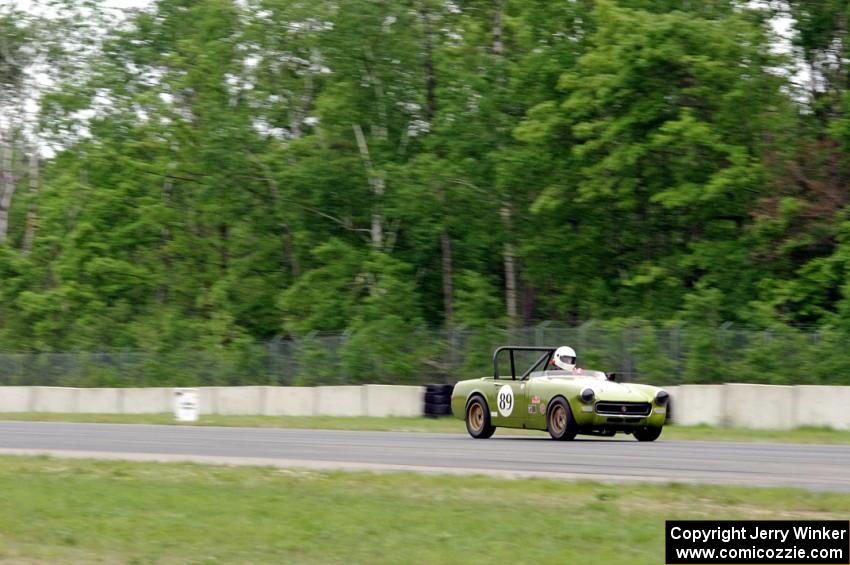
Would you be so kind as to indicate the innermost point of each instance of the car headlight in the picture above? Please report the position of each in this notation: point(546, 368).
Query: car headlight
point(587, 395)
point(662, 397)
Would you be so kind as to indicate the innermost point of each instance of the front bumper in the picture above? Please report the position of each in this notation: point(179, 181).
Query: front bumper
point(587, 417)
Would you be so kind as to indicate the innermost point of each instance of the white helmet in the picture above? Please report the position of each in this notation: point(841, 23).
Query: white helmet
point(565, 358)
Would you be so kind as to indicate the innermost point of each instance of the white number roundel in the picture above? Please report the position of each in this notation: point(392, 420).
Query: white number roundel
point(505, 400)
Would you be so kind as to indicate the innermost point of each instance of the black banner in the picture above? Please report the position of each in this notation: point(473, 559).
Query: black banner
point(757, 542)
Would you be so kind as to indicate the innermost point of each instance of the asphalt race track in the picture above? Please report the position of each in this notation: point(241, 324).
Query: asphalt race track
point(819, 467)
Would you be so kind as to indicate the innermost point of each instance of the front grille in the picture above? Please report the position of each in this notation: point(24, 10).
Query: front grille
point(623, 408)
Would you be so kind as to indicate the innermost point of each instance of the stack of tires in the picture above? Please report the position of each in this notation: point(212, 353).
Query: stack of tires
point(438, 400)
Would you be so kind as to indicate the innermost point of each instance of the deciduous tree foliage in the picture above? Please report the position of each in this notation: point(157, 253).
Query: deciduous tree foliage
point(225, 172)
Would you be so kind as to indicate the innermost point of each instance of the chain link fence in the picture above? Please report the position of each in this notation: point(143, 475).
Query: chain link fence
point(637, 351)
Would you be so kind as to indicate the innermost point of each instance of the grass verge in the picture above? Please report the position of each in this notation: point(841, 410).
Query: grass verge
point(441, 425)
point(85, 511)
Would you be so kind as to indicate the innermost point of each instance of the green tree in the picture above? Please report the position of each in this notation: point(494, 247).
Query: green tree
point(658, 135)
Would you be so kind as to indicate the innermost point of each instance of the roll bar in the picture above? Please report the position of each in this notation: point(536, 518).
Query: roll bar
point(545, 358)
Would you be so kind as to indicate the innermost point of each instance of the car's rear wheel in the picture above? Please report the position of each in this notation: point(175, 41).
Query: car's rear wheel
point(647, 434)
point(560, 421)
point(478, 418)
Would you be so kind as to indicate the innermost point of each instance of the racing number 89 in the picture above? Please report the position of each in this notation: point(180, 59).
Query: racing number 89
point(505, 401)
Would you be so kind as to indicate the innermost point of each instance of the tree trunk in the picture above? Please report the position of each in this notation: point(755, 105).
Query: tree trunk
point(509, 256)
point(224, 254)
point(376, 182)
point(508, 251)
point(165, 236)
point(299, 113)
point(529, 302)
point(430, 77)
point(498, 45)
point(430, 113)
point(32, 213)
point(289, 251)
point(7, 185)
point(448, 277)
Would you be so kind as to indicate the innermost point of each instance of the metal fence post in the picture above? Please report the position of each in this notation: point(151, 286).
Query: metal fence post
point(582, 334)
point(345, 337)
point(676, 348)
point(540, 332)
point(723, 336)
point(451, 342)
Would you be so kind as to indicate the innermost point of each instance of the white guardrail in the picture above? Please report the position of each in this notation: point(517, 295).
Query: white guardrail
point(365, 400)
point(731, 405)
point(767, 407)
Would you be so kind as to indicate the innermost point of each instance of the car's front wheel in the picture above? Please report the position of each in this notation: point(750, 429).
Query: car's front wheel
point(478, 418)
point(560, 421)
point(647, 434)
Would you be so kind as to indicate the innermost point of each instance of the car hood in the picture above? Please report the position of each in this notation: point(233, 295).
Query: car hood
point(607, 390)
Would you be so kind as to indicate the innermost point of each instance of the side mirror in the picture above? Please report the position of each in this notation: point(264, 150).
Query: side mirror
point(612, 377)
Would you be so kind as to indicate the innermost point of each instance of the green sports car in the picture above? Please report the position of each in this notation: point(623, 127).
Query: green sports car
point(563, 402)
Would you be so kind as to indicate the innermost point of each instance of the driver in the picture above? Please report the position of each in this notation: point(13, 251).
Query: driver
point(565, 358)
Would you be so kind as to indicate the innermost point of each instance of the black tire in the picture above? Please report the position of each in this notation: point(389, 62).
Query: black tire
point(478, 418)
point(559, 420)
point(647, 434)
point(439, 389)
point(444, 409)
point(434, 398)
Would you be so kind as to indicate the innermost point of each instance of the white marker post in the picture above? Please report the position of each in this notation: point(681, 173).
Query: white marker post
point(186, 404)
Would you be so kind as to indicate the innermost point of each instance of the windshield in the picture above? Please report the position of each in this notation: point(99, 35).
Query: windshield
point(578, 374)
